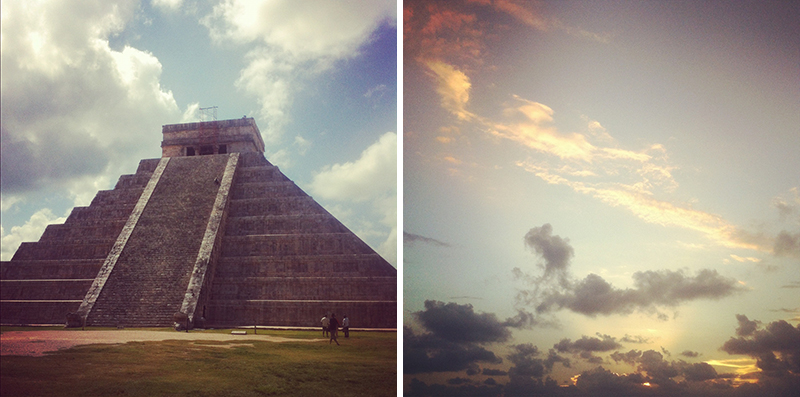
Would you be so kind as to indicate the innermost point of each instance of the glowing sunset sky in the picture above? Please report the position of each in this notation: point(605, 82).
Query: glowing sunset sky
point(597, 188)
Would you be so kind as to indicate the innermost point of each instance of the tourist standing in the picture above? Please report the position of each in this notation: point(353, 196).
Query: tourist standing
point(334, 328)
point(325, 323)
point(346, 326)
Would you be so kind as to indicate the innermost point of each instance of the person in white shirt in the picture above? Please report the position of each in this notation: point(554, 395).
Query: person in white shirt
point(346, 326)
point(325, 324)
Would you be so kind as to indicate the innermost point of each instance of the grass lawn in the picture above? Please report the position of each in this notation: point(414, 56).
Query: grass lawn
point(364, 365)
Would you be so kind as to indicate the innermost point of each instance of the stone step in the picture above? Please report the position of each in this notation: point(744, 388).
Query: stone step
point(303, 313)
point(80, 215)
point(295, 205)
point(151, 275)
point(58, 289)
point(72, 232)
point(147, 166)
point(50, 269)
point(242, 191)
point(117, 196)
point(37, 312)
point(293, 244)
point(283, 224)
point(260, 174)
point(309, 288)
point(247, 160)
point(52, 251)
point(133, 181)
point(365, 265)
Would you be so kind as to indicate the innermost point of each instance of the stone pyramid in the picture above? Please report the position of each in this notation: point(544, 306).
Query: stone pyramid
point(210, 235)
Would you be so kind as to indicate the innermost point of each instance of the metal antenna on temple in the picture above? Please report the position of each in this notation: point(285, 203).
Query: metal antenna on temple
point(209, 112)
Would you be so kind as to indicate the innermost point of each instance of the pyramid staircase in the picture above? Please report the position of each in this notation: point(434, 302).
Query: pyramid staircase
point(47, 279)
point(225, 240)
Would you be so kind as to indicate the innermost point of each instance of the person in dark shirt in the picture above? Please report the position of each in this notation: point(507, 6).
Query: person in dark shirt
point(333, 329)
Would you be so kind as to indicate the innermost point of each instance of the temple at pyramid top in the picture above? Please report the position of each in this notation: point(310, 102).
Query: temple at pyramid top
point(211, 137)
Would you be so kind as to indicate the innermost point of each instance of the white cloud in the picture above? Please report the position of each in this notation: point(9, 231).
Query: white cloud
point(30, 231)
point(72, 106)
point(371, 176)
point(76, 113)
point(371, 179)
point(167, 5)
point(302, 144)
point(192, 113)
point(291, 41)
point(308, 29)
point(378, 91)
point(270, 76)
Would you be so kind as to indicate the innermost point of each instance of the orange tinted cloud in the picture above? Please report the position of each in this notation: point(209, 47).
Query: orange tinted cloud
point(652, 210)
point(453, 87)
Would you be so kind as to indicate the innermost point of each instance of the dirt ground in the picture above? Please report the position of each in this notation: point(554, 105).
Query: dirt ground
point(38, 343)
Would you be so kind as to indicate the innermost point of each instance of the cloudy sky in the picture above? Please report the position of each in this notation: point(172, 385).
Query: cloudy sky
point(605, 194)
point(87, 85)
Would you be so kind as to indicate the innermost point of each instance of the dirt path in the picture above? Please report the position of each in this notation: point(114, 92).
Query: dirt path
point(37, 343)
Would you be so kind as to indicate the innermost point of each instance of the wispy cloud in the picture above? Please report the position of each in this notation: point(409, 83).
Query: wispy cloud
point(589, 161)
point(411, 238)
point(453, 88)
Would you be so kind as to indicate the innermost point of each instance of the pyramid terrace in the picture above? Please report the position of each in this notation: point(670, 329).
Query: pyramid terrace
point(209, 235)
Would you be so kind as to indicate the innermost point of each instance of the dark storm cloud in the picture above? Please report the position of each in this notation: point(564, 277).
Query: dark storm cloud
point(460, 323)
point(454, 341)
point(555, 250)
point(787, 244)
point(629, 358)
point(429, 353)
point(746, 327)
point(701, 380)
point(411, 238)
point(593, 295)
point(690, 354)
point(494, 372)
point(555, 289)
point(661, 371)
point(776, 347)
point(525, 377)
point(602, 382)
point(699, 372)
point(656, 367)
point(589, 344)
point(528, 364)
point(585, 347)
point(420, 388)
point(523, 319)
